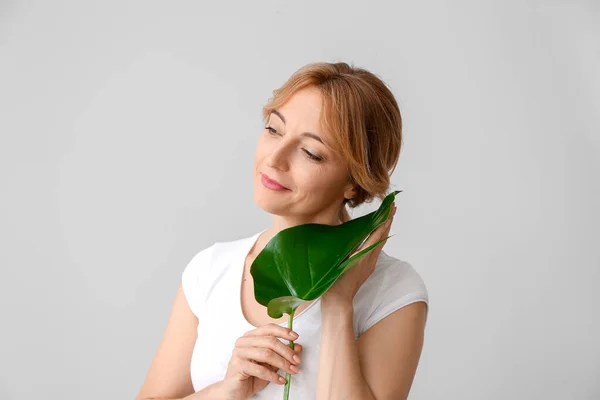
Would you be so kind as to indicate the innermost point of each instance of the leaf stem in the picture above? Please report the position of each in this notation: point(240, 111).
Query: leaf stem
point(288, 376)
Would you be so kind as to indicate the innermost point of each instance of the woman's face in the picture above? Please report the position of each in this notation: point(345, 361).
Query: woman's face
point(290, 152)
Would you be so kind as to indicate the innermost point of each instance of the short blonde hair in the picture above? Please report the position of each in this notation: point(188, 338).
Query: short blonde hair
point(363, 119)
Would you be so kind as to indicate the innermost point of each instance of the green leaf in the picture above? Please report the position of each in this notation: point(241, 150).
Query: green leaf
point(300, 263)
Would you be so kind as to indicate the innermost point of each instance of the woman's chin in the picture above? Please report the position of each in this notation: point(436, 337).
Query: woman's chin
point(270, 204)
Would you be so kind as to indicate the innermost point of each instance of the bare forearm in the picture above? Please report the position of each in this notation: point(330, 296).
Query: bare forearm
point(214, 391)
point(339, 376)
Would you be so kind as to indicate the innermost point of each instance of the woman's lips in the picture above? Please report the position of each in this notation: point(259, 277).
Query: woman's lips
point(271, 184)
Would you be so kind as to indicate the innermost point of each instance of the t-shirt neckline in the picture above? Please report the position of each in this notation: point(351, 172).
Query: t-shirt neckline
point(245, 251)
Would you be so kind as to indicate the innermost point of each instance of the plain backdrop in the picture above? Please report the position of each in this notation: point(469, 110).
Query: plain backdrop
point(127, 138)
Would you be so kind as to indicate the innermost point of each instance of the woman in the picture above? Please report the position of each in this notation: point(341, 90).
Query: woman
point(332, 138)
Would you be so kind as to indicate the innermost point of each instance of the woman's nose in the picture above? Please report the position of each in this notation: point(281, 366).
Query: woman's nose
point(278, 157)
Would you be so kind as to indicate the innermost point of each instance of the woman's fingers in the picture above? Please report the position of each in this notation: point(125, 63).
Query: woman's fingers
point(297, 348)
point(273, 330)
point(390, 219)
point(271, 343)
point(388, 224)
point(262, 345)
point(392, 212)
point(264, 355)
point(381, 232)
point(247, 367)
point(386, 227)
point(257, 356)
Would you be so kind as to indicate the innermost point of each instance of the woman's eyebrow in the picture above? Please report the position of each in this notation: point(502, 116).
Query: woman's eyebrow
point(307, 134)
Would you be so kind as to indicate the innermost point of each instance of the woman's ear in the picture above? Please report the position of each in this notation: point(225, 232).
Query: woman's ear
point(350, 192)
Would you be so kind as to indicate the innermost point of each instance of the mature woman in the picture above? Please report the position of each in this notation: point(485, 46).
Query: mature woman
point(332, 138)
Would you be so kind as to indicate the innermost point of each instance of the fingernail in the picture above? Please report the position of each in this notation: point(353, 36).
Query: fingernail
point(296, 358)
point(294, 334)
point(281, 379)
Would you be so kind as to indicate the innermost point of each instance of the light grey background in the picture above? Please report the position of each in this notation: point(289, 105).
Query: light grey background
point(128, 132)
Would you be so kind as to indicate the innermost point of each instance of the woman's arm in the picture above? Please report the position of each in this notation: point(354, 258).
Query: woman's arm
point(169, 375)
point(211, 392)
point(340, 376)
point(380, 364)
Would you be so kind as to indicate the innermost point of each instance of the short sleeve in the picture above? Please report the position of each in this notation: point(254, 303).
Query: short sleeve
point(396, 285)
point(192, 279)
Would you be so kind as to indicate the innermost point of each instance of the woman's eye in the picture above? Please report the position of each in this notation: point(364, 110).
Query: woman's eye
point(309, 155)
point(312, 156)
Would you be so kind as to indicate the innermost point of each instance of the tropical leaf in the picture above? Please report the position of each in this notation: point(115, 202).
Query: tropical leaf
point(300, 263)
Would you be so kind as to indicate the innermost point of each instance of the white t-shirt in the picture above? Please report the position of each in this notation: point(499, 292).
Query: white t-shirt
point(212, 282)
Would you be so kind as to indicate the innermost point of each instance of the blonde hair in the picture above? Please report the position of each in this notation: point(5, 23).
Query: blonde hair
point(363, 119)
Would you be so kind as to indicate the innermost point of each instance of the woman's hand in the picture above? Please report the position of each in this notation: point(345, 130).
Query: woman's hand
point(346, 286)
point(257, 355)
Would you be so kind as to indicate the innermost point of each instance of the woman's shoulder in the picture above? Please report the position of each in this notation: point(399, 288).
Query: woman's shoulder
point(206, 266)
point(200, 259)
point(219, 254)
point(394, 272)
point(394, 283)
